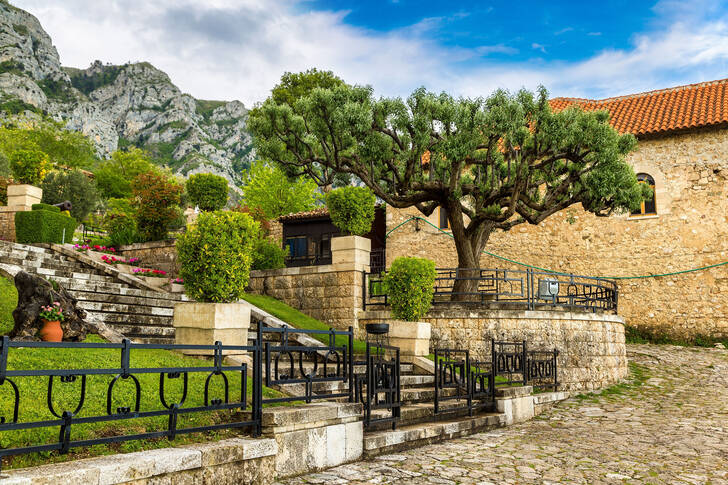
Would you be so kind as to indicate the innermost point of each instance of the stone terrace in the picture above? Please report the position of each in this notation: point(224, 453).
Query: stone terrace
point(667, 425)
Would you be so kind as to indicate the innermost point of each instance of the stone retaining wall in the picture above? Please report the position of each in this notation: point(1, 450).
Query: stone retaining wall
point(7, 224)
point(591, 345)
point(155, 254)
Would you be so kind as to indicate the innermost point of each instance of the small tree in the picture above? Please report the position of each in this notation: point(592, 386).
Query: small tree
point(352, 209)
point(74, 186)
point(29, 166)
point(410, 284)
point(207, 191)
point(270, 189)
point(215, 256)
point(156, 198)
point(114, 177)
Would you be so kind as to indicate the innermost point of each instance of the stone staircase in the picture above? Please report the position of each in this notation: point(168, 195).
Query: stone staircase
point(124, 303)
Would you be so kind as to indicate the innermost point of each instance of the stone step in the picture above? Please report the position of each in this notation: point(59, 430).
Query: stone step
point(123, 318)
point(120, 289)
point(100, 307)
point(92, 296)
point(416, 435)
point(425, 412)
point(423, 394)
point(58, 263)
point(144, 330)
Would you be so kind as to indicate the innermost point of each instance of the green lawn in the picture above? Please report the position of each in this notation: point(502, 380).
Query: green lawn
point(33, 394)
point(299, 320)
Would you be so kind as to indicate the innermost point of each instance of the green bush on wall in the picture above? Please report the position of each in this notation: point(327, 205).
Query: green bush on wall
point(268, 254)
point(409, 285)
point(352, 209)
point(43, 226)
point(207, 191)
point(215, 254)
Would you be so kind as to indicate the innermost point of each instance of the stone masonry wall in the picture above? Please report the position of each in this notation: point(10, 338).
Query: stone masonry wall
point(591, 345)
point(156, 254)
point(331, 293)
point(690, 230)
point(7, 224)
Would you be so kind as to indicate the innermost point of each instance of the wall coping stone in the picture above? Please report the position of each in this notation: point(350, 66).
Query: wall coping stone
point(148, 245)
point(304, 270)
point(458, 312)
point(115, 469)
point(284, 419)
point(512, 392)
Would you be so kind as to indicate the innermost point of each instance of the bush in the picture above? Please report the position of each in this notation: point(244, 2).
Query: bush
point(45, 207)
point(155, 200)
point(29, 166)
point(43, 226)
point(352, 209)
point(410, 284)
point(4, 182)
point(73, 186)
point(207, 191)
point(215, 256)
point(268, 254)
point(121, 229)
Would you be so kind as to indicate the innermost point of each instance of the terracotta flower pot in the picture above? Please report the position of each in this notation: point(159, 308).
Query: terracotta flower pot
point(51, 331)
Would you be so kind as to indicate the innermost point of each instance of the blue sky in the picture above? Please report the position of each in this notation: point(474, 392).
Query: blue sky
point(238, 49)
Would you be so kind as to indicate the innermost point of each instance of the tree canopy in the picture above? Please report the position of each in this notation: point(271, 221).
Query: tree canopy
point(268, 188)
point(492, 162)
point(114, 177)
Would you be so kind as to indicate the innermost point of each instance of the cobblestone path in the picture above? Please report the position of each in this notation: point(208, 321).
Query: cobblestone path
point(668, 424)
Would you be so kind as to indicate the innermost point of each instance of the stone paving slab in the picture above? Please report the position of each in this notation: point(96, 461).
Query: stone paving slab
point(667, 424)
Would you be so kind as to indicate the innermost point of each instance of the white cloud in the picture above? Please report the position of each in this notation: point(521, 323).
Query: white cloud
point(238, 49)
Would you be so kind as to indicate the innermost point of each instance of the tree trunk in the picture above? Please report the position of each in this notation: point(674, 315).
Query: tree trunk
point(469, 244)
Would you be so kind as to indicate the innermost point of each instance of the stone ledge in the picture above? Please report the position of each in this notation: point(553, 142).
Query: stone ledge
point(309, 270)
point(116, 469)
point(314, 415)
point(149, 245)
point(512, 392)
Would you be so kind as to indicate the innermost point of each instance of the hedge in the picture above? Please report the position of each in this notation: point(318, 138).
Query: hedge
point(45, 207)
point(43, 226)
point(410, 284)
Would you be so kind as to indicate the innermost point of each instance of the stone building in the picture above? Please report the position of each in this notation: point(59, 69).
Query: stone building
point(683, 153)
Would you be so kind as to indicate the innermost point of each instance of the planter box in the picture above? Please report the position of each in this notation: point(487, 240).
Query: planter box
point(351, 250)
point(412, 338)
point(151, 280)
point(24, 195)
point(205, 323)
point(176, 288)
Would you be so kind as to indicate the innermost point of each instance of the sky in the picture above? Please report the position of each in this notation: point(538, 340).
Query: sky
point(238, 49)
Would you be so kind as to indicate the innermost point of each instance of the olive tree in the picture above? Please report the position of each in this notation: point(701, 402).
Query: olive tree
point(492, 163)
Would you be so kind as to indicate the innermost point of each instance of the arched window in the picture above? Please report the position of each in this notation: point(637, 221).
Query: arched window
point(648, 206)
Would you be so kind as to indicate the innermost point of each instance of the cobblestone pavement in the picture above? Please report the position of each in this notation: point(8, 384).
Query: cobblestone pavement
point(667, 424)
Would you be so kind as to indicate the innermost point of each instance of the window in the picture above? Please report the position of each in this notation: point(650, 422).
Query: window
point(444, 223)
point(648, 206)
point(297, 247)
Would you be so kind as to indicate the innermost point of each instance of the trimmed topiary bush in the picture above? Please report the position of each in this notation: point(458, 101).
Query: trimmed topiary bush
point(352, 209)
point(410, 284)
point(268, 254)
point(207, 191)
point(43, 226)
point(29, 166)
point(45, 207)
point(215, 256)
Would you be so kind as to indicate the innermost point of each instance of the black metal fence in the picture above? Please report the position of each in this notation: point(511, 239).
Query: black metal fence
point(382, 397)
point(528, 289)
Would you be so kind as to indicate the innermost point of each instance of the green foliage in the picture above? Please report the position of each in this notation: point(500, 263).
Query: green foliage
point(205, 108)
point(215, 254)
point(120, 206)
point(45, 207)
point(643, 335)
point(86, 82)
point(15, 106)
point(114, 177)
point(268, 188)
point(4, 165)
point(294, 86)
point(29, 166)
point(121, 229)
point(156, 198)
point(74, 186)
point(493, 163)
point(57, 90)
point(268, 254)
point(207, 191)
point(410, 284)
point(21, 29)
point(8, 302)
point(43, 226)
point(13, 67)
point(4, 182)
point(352, 209)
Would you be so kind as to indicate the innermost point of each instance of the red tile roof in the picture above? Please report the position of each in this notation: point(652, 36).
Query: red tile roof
point(661, 111)
point(312, 214)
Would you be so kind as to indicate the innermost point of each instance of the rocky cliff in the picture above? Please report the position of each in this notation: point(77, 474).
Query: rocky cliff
point(119, 106)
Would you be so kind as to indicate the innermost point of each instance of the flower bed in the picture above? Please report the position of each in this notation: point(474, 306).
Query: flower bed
point(152, 273)
point(114, 260)
point(82, 248)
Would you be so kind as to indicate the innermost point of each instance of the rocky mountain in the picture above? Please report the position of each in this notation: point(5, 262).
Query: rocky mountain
point(119, 106)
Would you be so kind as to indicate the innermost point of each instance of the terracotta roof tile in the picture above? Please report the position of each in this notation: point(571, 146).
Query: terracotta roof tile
point(665, 110)
point(312, 214)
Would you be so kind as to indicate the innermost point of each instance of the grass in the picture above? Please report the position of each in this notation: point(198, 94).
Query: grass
point(637, 335)
point(299, 320)
point(637, 377)
point(33, 394)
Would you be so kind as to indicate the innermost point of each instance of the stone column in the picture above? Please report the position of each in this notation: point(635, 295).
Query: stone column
point(412, 338)
point(351, 250)
point(205, 323)
point(22, 197)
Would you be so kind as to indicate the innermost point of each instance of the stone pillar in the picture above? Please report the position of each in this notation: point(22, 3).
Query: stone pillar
point(516, 403)
point(22, 197)
point(205, 323)
point(412, 338)
point(351, 250)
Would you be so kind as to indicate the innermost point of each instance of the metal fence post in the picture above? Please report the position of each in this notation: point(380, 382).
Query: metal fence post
point(525, 364)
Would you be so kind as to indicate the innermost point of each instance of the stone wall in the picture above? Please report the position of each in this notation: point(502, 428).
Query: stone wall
point(690, 230)
point(155, 254)
point(331, 293)
point(7, 224)
point(591, 345)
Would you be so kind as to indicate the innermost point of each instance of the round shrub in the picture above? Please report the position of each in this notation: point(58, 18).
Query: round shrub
point(215, 256)
point(410, 284)
point(207, 191)
point(352, 209)
point(73, 186)
point(122, 229)
point(29, 166)
point(156, 198)
point(268, 254)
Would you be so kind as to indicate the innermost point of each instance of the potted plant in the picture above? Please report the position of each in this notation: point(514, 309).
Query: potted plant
point(28, 167)
point(352, 211)
point(410, 285)
point(51, 316)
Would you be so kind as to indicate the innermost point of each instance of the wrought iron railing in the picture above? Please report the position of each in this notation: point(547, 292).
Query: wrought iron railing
point(380, 387)
point(307, 261)
point(515, 364)
point(457, 378)
point(528, 289)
